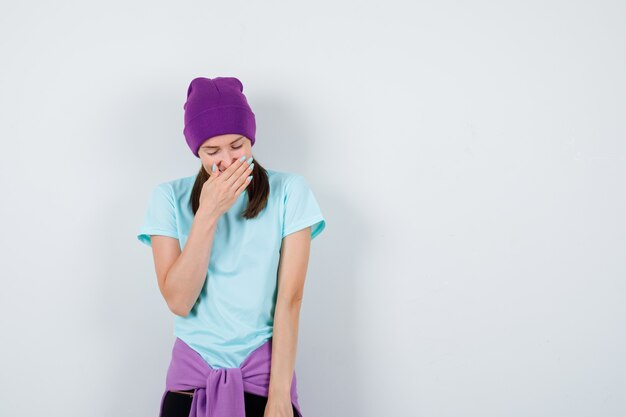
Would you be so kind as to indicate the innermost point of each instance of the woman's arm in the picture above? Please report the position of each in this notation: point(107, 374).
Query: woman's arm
point(182, 275)
point(294, 259)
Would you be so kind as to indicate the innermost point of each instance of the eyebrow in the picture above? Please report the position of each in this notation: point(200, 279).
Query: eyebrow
point(208, 146)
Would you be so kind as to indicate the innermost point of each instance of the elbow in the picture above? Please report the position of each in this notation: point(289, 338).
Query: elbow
point(294, 301)
point(178, 308)
point(181, 312)
point(175, 304)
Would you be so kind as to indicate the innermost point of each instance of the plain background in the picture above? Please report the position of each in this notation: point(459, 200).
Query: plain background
point(469, 158)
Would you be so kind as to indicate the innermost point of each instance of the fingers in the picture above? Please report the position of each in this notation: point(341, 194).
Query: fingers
point(241, 176)
point(214, 173)
point(232, 168)
point(236, 170)
point(243, 185)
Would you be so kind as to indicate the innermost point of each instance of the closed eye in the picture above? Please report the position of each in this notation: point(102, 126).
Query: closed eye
point(234, 147)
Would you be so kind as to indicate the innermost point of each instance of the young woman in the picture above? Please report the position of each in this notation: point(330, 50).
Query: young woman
point(231, 248)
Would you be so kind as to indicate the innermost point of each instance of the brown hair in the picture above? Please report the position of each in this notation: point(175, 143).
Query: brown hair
point(258, 190)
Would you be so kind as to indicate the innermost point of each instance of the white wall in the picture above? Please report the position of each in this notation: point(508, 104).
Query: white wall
point(469, 157)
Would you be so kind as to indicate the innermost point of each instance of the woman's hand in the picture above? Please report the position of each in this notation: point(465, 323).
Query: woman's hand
point(222, 189)
point(279, 407)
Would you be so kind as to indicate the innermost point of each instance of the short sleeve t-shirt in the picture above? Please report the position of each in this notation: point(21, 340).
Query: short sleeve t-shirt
point(234, 313)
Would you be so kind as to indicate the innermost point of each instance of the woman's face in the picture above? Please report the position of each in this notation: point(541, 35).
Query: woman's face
point(223, 150)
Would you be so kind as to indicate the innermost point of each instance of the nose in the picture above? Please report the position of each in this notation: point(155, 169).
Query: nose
point(224, 164)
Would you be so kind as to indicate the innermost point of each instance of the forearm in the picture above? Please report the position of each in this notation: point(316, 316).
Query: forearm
point(186, 277)
point(284, 347)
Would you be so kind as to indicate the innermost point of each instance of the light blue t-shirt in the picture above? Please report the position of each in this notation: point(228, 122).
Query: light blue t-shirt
point(234, 313)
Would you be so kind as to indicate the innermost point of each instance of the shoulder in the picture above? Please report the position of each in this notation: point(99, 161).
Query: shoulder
point(178, 183)
point(284, 180)
point(177, 188)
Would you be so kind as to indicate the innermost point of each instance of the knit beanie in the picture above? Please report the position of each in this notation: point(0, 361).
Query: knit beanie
point(216, 107)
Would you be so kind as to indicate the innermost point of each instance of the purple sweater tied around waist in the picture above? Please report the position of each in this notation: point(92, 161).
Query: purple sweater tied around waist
point(219, 392)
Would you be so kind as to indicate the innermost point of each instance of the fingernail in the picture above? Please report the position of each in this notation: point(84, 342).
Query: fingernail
point(251, 166)
point(242, 158)
point(249, 160)
point(250, 178)
point(214, 167)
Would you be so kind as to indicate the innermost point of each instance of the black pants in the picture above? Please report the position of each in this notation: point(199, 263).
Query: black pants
point(179, 405)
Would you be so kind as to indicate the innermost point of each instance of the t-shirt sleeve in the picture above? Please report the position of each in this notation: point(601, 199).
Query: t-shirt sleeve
point(160, 216)
point(301, 209)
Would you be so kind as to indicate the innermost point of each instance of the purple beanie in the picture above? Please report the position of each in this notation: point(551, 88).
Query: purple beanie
point(216, 107)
